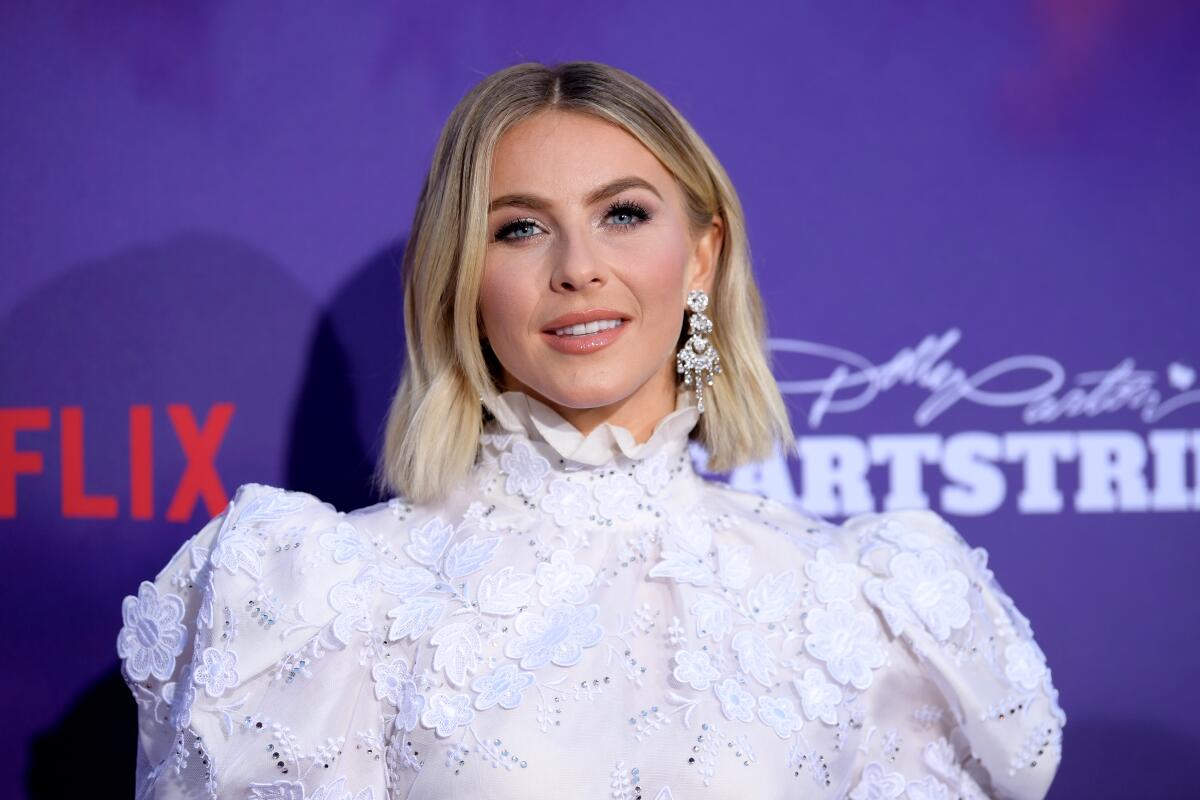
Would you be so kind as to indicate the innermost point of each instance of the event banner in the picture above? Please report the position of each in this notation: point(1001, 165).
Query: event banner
point(975, 228)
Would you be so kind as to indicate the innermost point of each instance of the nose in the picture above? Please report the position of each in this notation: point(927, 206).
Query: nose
point(577, 266)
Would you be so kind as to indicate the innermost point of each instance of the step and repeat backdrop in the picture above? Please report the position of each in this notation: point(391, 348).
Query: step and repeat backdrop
point(977, 228)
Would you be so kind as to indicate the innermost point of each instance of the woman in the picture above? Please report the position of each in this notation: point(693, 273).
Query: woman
point(553, 603)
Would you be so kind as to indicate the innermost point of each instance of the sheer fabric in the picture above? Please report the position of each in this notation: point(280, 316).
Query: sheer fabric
point(585, 616)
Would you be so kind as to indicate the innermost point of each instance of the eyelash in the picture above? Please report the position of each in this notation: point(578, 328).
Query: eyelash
point(630, 207)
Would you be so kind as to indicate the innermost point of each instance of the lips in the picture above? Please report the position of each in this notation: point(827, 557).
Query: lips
point(584, 332)
point(582, 318)
point(587, 327)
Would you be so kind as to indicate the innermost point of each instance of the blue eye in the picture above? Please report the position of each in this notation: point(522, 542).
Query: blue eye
point(627, 208)
point(632, 212)
point(515, 225)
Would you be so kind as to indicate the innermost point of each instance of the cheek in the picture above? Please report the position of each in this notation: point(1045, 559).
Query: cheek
point(504, 304)
point(658, 285)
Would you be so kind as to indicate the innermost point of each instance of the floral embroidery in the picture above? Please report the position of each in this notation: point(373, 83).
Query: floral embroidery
point(459, 651)
point(239, 547)
point(558, 636)
point(685, 553)
point(652, 473)
point(344, 542)
point(469, 555)
point(428, 542)
point(847, 641)
point(395, 683)
point(934, 592)
point(353, 602)
point(755, 656)
point(777, 713)
point(897, 616)
point(832, 580)
point(445, 713)
point(617, 497)
point(818, 697)
point(567, 502)
point(217, 671)
point(735, 565)
point(682, 566)
point(405, 581)
point(694, 668)
point(503, 687)
point(736, 702)
point(562, 580)
point(152, 637)
point(414, 616)
point(928, 788)
point(902, 535)
point(1026, 666)
point(878, 784)
point(525, 468)
point(773, 597)
point(504, 592)
point(713, 616)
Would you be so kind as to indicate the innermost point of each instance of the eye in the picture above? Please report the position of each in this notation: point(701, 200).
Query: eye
point(517, 225)
point(632, 211)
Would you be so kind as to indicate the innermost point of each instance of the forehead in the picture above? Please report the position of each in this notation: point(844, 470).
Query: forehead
point(568, 154)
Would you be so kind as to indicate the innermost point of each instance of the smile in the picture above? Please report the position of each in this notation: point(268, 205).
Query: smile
point(588, 327)
point(584, 338)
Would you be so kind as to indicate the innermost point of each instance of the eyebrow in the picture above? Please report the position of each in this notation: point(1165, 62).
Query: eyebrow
point(614, 187)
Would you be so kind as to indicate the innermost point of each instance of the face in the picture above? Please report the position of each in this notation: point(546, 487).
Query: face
point(587, 226)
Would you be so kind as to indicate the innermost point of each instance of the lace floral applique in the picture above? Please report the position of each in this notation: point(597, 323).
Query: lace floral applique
point(931, 590)
point(526, 469)
point(877, 783)
point(846, 640)
point(818, 697)
point(153, 636)
point(558, 636)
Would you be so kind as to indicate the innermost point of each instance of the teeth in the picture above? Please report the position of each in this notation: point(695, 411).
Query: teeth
point(586, 328)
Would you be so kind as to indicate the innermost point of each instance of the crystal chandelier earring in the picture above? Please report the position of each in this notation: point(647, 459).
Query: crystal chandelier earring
point(698, 360)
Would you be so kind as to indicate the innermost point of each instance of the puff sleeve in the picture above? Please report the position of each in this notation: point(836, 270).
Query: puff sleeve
point(983, 718)
point(246, 658)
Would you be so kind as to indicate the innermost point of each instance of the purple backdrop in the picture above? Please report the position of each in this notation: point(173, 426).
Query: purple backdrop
point(976, 229)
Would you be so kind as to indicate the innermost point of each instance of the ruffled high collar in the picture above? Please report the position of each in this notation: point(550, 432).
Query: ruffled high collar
point(518, 413)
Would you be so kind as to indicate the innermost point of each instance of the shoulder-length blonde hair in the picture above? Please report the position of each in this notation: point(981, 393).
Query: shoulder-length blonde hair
point(436, 416)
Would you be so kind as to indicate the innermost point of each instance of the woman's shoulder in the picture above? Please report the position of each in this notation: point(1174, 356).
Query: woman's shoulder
point(911, 565)
point(278, 587)
point(906, 583)
point(263, 551)
point(862, 538)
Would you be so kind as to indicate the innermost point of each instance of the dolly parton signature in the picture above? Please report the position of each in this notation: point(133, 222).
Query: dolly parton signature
point(853, 382)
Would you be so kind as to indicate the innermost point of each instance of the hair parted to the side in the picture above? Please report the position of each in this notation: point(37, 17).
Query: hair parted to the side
point(436, 416)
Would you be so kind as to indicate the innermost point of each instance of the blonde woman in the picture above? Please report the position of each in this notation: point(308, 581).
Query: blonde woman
point(553, 603)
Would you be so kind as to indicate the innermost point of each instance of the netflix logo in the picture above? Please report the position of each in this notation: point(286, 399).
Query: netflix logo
point(198, 481)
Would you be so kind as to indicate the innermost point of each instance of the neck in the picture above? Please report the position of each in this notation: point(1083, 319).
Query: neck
point(638, 413)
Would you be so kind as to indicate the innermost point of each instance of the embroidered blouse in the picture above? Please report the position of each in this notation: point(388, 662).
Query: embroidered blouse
point(584, 616)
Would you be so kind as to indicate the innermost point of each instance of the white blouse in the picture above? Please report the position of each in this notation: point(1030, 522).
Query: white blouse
point(583, 617)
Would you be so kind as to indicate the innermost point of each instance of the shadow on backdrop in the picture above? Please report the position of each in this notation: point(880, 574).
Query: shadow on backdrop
point(196, 319)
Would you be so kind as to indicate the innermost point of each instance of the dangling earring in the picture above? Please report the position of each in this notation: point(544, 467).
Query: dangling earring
point(698, 360)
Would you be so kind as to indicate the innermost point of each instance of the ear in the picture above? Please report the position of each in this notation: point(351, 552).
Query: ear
point(705, 253)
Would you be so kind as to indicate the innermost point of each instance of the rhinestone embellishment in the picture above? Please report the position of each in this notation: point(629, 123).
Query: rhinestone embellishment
point(698, 360)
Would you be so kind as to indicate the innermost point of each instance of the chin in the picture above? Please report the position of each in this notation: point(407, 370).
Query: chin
point(589, 397)
point(585, 394)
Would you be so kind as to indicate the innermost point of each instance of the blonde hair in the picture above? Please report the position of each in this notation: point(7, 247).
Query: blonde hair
point(436, 415)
